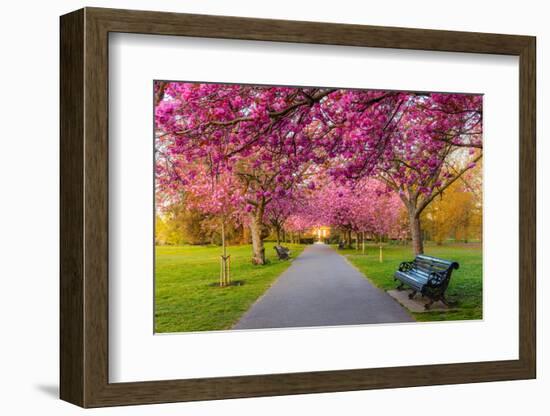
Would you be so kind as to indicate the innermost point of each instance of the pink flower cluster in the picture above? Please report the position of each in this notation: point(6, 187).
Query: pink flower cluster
point(311, 156)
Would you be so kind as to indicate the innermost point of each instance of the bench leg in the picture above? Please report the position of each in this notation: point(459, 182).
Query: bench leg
point(401, 286)
point(448, 303)
point(411, 295)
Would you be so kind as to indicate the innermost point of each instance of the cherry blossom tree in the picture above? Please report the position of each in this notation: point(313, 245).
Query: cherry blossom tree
point(364, 207)
point(426, 143)
point(218, 196)
point(279, 211)
point(265, 143)
point(256, 134)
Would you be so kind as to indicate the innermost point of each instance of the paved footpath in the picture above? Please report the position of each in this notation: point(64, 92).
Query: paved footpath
point(322, 288)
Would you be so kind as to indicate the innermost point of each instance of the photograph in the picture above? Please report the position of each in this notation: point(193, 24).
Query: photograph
point(292, 206)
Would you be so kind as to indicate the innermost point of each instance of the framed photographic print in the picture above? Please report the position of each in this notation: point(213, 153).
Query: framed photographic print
point(255, 207)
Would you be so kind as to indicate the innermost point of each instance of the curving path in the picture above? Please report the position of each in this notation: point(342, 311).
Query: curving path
point(322, 288)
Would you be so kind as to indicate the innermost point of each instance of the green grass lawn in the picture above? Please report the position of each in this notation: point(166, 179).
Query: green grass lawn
point(466, 283)
point(187, 295)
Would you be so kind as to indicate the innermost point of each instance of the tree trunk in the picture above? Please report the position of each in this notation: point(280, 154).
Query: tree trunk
point(258, 250)
point(278, 235)
point(224, 272)
point(416, 232)
point(245, 237)
point(224, 249)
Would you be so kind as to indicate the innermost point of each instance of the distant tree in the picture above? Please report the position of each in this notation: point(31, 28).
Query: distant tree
point(181, 225)
point(457, 212)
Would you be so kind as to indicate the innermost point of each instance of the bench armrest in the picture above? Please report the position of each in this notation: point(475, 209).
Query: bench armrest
point(406, 266)
point(436, 278)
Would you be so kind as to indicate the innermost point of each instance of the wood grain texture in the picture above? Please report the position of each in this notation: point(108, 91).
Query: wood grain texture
point(84, 205)
point(527, 207)
point(96, 208)
point(162, 23)
point(71, 185)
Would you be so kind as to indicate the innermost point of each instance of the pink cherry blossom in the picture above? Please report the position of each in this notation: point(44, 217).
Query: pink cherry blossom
point(297, 157)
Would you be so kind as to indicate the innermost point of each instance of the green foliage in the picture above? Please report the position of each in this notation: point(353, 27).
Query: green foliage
point(180, 226)
point(187, 297)
point(457, 212)
point(466, 282)
point(184, 226)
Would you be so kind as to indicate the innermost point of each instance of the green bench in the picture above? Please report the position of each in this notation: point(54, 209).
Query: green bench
point(429, 276)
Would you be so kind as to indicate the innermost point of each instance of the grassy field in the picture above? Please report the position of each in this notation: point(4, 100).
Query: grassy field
point(466, 283)
point(187, 295)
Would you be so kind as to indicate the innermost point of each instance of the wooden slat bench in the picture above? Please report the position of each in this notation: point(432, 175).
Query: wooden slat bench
point(282, 252)
point(427, 275)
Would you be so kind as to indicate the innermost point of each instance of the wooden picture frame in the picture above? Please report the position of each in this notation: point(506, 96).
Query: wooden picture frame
point(84, 207)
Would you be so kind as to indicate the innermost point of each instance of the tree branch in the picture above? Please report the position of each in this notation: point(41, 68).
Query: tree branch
point(440, 190)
